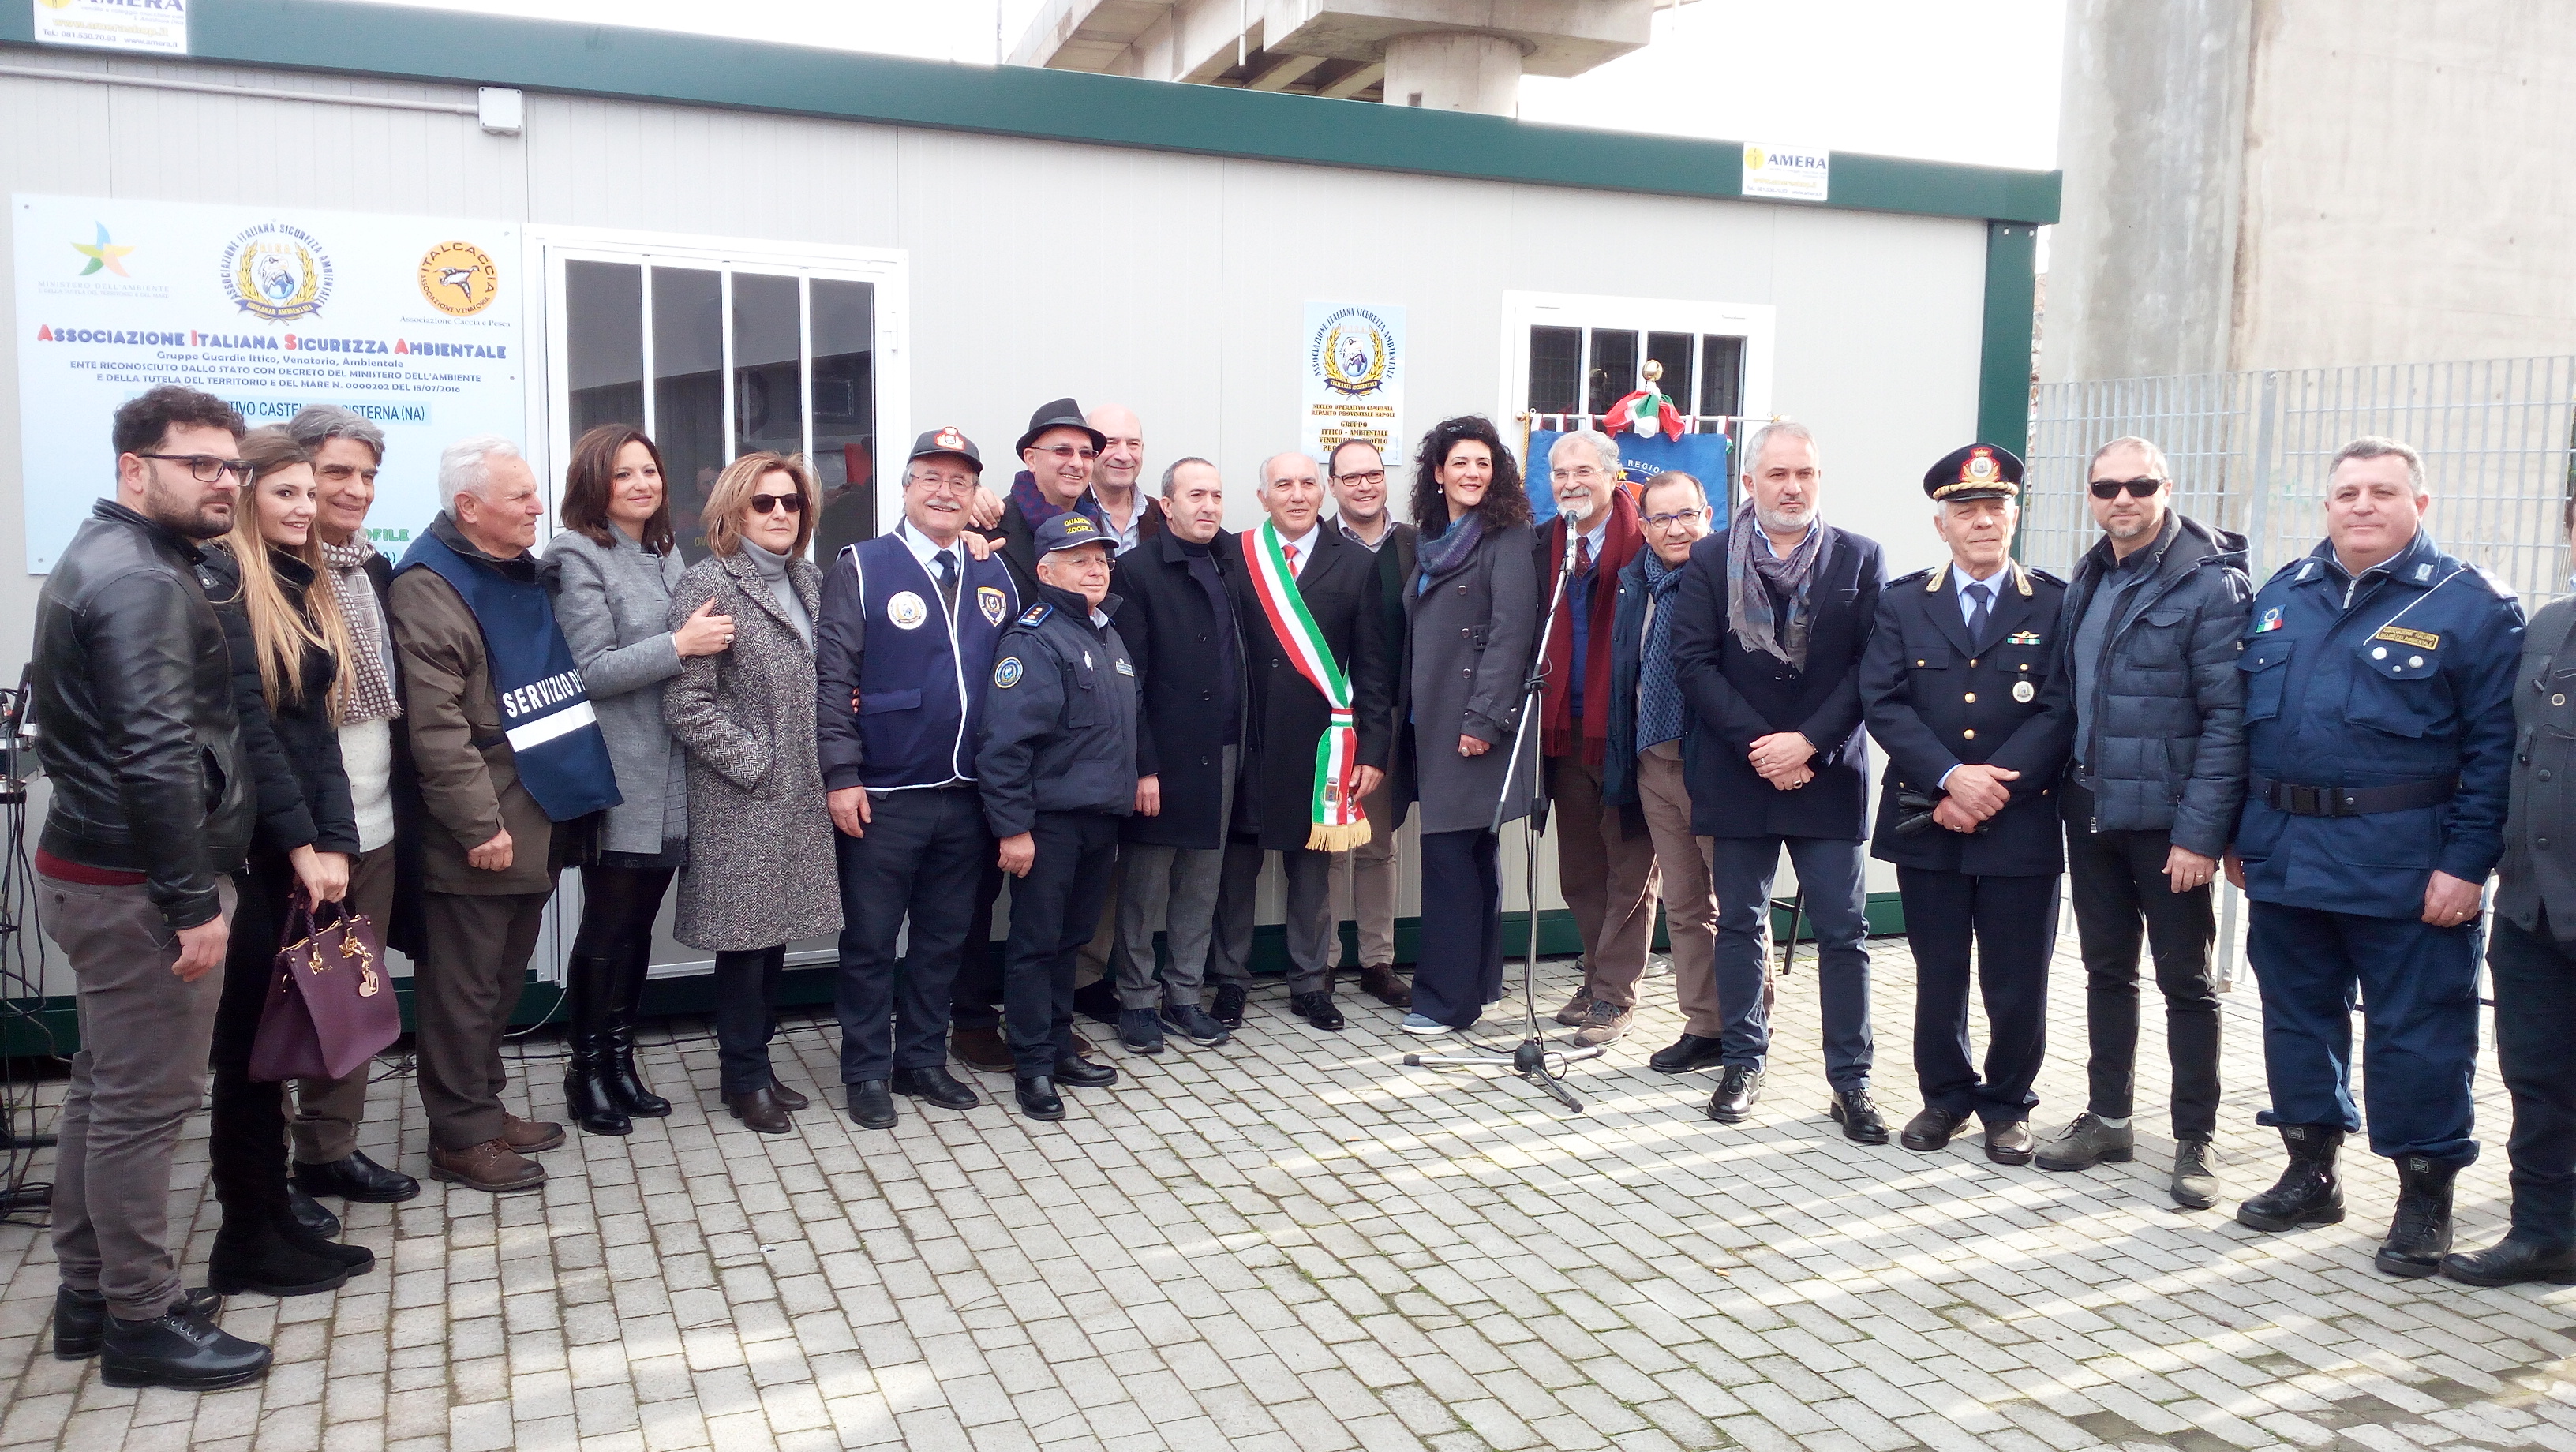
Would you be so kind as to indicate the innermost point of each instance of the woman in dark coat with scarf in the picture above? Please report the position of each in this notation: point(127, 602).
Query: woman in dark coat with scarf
point(1472, 609)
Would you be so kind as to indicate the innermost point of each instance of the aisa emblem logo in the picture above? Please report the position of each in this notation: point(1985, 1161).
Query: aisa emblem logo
point(277, 272)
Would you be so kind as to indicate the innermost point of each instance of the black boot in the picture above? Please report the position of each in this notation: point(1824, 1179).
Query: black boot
point(259, 1260)
point(589, 1098)
point(2419, 1234)
point(625, 1007)
point(2308, 1192)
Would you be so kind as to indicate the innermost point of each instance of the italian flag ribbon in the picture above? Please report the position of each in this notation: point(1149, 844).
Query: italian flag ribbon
point(1339, 823)
point(1646, 411)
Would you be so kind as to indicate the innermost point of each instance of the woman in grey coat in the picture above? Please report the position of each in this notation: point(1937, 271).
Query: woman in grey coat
point(1471, 615)
point(613, 570)
point(760, 873)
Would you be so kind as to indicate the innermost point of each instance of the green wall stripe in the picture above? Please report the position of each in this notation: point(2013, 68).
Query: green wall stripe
point(2003, 373)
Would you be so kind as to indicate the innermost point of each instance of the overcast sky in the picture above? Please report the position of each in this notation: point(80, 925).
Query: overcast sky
point(1950, 80)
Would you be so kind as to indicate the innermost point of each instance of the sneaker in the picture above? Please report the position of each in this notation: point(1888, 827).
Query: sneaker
point(1140, 1031)
point(1415, 1023)
point(1192, 1022)
point(1604, 1024)
point(1228, 1008)
point(1576, 1010)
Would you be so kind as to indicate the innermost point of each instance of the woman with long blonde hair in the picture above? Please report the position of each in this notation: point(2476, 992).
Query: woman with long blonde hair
point(289, 650)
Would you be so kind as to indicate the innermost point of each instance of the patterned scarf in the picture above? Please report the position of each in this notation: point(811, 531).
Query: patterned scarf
point(371, 690)
point(1037, 508)
point(1749, 604)
point(1659, 690)
point(1445, 553)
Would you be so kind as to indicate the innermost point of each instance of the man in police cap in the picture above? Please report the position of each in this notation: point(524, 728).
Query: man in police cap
point(2379, 741)
point(1960, 691)
point(1058, 773)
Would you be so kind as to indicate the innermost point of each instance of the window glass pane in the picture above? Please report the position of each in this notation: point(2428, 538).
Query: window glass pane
point(1614, 368)
point(1721, 375)
point(604, 331)
point(1674, 351)
point(845, 411)
point(768, 388)
point(688, 393)
point(1556, 363)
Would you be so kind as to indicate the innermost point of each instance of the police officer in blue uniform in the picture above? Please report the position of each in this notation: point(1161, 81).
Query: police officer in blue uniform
point(1960, 689)
point(2379, 732)
point(1058, 772)
point(902, 650)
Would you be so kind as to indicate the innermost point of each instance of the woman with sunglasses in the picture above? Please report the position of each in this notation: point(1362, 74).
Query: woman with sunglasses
point(760, 872)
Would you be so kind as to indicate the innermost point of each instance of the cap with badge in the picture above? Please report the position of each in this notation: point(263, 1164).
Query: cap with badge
point(1064, 413)
point(948, 440)
point(1070, 531)
point(1979, 471)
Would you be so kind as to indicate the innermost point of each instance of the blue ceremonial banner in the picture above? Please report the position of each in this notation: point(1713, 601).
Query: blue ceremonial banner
point(1641, 457)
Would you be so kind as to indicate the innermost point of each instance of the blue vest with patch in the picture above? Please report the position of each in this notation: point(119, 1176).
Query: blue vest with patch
point(921, 673)
point(546, 715)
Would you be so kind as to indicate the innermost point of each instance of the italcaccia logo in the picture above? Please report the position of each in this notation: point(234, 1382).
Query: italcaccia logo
point(1353, 351)
point(458, 279)
point(277, 272)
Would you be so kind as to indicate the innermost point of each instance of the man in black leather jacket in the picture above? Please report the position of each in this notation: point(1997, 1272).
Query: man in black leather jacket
point(152, 809)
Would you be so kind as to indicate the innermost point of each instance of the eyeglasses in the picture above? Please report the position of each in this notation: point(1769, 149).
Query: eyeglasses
point(945, 483)
point(1667, 521)
point(792, 503)
point(206, 468)
point(1069, 451)
point(1585, 473)
point(2138, 488)
point(1364, 476)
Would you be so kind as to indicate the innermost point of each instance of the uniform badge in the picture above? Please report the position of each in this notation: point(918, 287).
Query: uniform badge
point(907, 611)
point(990, 601)
point(1124, 668)
point(2271, 620)
point(2022, 637)
point(2023, 691)
point(2420, 639)
point(1006, 672)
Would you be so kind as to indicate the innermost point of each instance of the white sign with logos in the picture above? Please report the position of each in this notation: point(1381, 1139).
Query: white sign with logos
point(413, 322)
point(1354, 379)
point(1792, 173)
point(159, 26)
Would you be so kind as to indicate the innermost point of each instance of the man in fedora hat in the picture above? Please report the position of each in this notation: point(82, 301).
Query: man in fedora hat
point(1057, 456)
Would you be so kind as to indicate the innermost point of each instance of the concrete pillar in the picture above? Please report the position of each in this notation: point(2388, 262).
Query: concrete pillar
point(1453, 70)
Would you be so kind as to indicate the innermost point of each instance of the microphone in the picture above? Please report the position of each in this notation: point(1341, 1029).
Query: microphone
point(1571, 538)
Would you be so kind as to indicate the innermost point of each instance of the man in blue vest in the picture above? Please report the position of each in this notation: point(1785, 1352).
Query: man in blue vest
point(901, 655)
point(506, 747)
point(2379, 744)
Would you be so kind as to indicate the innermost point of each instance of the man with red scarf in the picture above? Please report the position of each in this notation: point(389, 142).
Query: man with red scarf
point(1605, 865)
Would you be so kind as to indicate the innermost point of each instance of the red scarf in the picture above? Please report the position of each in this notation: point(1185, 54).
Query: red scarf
point(1621, 538)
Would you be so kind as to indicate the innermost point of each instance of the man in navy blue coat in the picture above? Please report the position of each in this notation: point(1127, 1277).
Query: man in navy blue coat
point(1770, 625)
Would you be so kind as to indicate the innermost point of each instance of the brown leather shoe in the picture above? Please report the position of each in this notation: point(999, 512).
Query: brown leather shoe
point(788, 1099)
point(982, 1049)
point(528, 1136)
point(1379, 981)
point(1576, 1010)
point(492, 1167)
point(761, 1110)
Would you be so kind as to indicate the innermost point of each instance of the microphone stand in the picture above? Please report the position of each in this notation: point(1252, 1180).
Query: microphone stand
point(1534, 1060)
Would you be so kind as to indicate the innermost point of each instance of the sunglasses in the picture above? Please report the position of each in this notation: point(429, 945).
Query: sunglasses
point(792, 503)
point(2138, 488)
point(1068, 451)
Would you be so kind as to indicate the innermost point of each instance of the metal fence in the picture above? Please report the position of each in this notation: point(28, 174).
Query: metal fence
point(2250, 452)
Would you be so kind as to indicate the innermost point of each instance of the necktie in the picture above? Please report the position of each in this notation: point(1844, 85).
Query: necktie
point(948, 577)
point(1583, 554)
point(1980, 597)
point(1291, 552)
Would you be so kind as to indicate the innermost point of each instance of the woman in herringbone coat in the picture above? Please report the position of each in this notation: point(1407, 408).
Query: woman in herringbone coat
point(760, 871)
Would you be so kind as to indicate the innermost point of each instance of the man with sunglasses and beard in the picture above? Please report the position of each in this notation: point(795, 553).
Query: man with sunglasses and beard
point(2150, 627)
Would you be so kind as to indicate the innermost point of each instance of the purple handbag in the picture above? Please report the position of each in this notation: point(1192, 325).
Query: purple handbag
point(330, 1008)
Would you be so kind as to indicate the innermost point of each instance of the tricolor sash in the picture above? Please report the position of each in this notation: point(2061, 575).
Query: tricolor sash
point(1340, 825)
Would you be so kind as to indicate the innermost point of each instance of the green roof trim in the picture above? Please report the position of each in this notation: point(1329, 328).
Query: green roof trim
point(651, 65)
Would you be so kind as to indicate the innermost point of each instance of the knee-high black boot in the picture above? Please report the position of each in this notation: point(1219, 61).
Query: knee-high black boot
point(589, 1097)
point(625, 1006)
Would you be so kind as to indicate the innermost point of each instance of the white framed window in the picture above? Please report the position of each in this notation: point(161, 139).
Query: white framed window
point(1568, 355)
point(718, 347)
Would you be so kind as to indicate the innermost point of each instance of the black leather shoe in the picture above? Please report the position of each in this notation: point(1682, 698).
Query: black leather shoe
point(2511, 1261)
point(1858, 1114)
point(1931, 1130)
point(310, 1216)
point(1140, 1031)
point(872, 1104)
point(2419, 1234)
point(1192, 1022)
point(261, 1262)
point(1038, 1099)
point(1228, 1008)
point(1738, 1090)
point(1081, 1073)
point(80, 1318)
point(358, 1179)
point(1316, 1008)
point(2009, 1143)
point(1687, 1054)
point(2308, 1192)
point(589, 1099)
point(182, 1349)
point(936, 1085)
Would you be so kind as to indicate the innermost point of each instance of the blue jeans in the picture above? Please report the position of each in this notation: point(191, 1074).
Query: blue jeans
point(2535, 1020)
point(1829, 873)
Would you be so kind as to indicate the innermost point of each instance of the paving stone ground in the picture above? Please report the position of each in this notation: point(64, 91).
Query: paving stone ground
point(1296, 1243)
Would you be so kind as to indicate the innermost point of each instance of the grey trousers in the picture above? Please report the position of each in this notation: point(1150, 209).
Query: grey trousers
point(1174, 889)
point(1372, 873)
point(325, 1122)
point(1313, 944)
point(462, 996)
point(140, 1072)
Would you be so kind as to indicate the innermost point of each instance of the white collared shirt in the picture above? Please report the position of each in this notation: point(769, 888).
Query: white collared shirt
point(928, 553)
point(1385, 532)
point(1304, 544)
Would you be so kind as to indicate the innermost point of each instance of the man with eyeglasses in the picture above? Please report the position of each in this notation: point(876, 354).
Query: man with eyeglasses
point(151, 814)
point(1605, 871)
point(2153, 784)
point(902, 649)
point(1356, 470)
point(1058, 455)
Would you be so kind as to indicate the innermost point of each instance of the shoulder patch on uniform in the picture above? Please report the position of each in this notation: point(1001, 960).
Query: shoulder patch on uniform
point(1036, 614)
point(2502, 590)
point(2038, 574)
point(1912, 578)
point(1006, 672)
